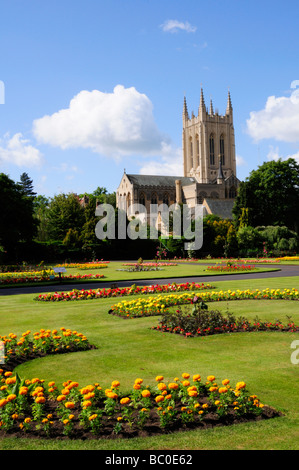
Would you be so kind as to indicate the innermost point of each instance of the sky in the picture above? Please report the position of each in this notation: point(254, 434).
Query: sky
point(90, 88)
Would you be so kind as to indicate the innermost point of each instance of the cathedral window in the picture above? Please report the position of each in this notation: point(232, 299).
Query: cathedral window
point(142, 199)
point(154, 199)
point(222, 156)
point(212, 150)
point(191, 152)
point(165, 199)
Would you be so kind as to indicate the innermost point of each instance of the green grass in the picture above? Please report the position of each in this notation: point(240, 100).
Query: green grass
point(112, 274)
point(128, 349)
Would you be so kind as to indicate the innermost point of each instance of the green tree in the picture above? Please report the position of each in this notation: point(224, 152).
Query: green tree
point(26, 185)
point(65, 212)
point(18, 224)
point(41, 207)
point(271, 195)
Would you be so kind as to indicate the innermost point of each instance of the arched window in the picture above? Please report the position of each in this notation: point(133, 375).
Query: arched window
point(191, 151)
point(165, 199)
point(154, 199)
point(221, 144)
point(212, 150)
point(142, 199)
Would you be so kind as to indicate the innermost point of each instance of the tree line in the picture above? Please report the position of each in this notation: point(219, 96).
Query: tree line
point(34, 227)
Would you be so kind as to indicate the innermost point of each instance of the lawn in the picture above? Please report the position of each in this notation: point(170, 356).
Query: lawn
point(128, 349)
point(116, 272)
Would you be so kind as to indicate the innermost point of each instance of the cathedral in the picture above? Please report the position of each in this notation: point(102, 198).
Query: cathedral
point(209, 167)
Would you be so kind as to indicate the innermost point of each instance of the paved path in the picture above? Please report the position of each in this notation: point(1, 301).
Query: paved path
point(285, 271)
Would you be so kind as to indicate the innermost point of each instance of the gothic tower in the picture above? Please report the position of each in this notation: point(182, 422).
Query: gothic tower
point(208, 142)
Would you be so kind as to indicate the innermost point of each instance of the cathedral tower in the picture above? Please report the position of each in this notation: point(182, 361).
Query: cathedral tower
point(208, 142)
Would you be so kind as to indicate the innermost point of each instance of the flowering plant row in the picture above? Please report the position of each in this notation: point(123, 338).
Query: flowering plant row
point(159, 305)
point(42, 342)
point(160, 263)
point(7, 279)
point(93, 410)
point(231, 268)
point(200, 322)
point(119, 292)
point(91, 265)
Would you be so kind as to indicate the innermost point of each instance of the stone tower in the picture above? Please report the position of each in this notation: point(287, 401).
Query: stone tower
point(208, 142)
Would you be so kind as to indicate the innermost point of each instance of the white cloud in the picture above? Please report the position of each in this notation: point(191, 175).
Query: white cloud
point(240, 161)
point(278, 120)
point(18, 151)
point(173, 26)
point(273, 153)
point(112, 124)
point(171, 163)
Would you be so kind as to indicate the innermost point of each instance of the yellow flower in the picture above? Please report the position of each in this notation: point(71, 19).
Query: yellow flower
point(173, 386)
point(125, 401)
point(92, 417)
point(162, 386)
point(40, 400)
point(225, 382)
point(196, 378)
point(146, 393)
point(138, 381)
point(69, 405)
point(115, 384)
point(186, 383)
point(159, 398)
point(210, 378)
point(185, 375)
point(61, 398)
point(159, 378)
point(240, 385)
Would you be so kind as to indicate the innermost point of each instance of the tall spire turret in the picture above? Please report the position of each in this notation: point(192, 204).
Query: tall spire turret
point(185, 109)
point(202, 107)
point(229, 107)
point(211, 108)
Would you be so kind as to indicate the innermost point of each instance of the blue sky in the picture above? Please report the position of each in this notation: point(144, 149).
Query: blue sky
point(88, 88)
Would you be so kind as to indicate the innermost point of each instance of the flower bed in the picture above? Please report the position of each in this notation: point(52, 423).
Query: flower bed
point(90, 265)
point(32, 408)
point(21, 278)
point(231, 268)
point(155, 306)
point(151, 264)
point(41, 343)
point(119, 292)
point(200, 322)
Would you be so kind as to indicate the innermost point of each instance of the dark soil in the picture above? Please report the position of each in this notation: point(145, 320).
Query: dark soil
point(151, 428)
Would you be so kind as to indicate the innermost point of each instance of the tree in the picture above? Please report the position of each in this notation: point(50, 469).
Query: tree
point(17, 220)
point(65, 212)
point(41, 207)
point(27, 185)
point(271, 195)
